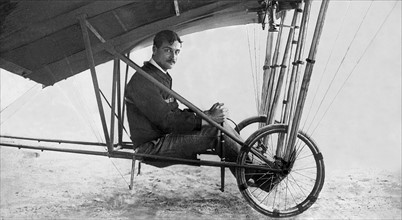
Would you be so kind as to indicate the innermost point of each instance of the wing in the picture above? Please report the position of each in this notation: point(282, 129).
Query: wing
point(42, 40)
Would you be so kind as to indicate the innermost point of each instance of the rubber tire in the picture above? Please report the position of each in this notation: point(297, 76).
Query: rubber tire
point(297, 207)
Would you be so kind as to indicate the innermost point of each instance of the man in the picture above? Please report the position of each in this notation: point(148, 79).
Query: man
point(157, 125)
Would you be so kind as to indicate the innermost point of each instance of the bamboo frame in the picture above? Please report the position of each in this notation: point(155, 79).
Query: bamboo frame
point(114, 97)
point(267, 97)
point(130, 155)
point(113, 153)
point(294, 126)
point(85, 25)
point(291, 94)
point(53, 140)
point(280, 81)
point(91, 61)
point(281, 76)
point(119, 107)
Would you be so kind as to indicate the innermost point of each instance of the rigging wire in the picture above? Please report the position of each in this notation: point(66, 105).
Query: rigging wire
point(118, 170)
point(341, 63)
point(252, 70)
point(326, 65)
point(78, 97)
point(356, 64)
point(32, 92)
point(121, 123)
point(114, 113)
point(13, 102)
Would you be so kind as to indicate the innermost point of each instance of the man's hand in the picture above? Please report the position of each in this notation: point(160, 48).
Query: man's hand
point(217, 113)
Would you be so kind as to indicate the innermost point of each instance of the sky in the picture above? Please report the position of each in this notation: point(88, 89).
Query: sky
point(361, 127)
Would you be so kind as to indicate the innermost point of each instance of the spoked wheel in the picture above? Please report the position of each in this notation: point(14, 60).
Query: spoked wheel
point(289, 187)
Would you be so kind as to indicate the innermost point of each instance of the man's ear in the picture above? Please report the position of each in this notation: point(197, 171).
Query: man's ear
point(154, 49)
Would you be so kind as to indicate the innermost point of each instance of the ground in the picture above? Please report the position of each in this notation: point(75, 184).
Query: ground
point(52, 185)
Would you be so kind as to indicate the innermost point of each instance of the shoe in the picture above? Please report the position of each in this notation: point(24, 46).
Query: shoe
point(263, 179)
point(266, 182)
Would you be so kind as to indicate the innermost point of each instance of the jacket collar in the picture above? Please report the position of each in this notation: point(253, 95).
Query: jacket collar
point(153, 62)
point(156, 72)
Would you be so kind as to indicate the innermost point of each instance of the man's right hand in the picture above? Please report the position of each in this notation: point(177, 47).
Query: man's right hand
point(217, 113)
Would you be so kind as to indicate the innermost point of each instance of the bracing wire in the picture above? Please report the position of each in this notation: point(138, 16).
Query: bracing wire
point(356, 64)
point(252, 70)
point(118, 170)
point(341, 63)
point(5, 117)
point(326, 65)
point(257, 59)
point(78, 98)
point(114, 113)
point(90, 119)
point(25, 93)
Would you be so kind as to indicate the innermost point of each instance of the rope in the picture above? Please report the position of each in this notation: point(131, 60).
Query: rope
point(358, 61)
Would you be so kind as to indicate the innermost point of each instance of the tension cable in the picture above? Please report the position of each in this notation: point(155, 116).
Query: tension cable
point(357, 63)
point(341, 63)
point(18, 103)
point(326, 65)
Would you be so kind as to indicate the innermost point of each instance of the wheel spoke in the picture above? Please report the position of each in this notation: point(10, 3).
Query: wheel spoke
point(290, 190)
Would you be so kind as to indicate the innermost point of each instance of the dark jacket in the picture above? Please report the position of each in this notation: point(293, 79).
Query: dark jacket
point(153, 113)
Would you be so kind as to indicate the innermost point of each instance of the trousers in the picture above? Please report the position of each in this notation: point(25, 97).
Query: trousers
point(188, 145)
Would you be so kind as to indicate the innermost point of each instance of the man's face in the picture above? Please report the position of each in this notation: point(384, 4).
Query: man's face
point(166, 55)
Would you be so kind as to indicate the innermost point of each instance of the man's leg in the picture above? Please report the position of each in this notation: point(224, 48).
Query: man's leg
point(188, 145)
point(184, 146)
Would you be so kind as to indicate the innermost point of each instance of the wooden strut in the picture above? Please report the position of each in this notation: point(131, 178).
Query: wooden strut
point(138, 156)
point(223, 159)
point(280, 81)
point(291, 93)
point(271, 72)
point(291, 96)
point(119, 106)
point(294, 127)
point(85, 35)
point(282, 71)
point(131, 186)
point(59, 141)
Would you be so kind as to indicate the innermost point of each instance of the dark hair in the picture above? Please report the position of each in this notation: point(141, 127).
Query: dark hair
point(166, 35)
